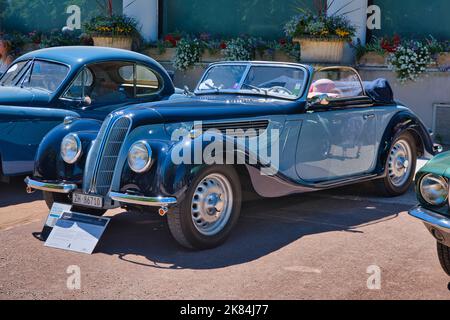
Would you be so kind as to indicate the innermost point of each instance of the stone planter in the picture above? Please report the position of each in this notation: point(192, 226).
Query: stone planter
point(113, 42)
point(443, 59)
point(281, 56)
point(373, 59)
point(321, 51)
point(208, 57)
point(167, 55)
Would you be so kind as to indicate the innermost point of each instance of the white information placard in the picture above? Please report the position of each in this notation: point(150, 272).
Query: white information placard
point(56, 212)
point(77, 232)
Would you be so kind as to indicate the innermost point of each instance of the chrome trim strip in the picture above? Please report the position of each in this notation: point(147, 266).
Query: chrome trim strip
point(430, 217)
point(50, 187)
point(143, 201)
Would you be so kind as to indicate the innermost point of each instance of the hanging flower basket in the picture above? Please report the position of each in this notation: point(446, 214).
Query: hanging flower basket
point(321, 50)
point(118, 42)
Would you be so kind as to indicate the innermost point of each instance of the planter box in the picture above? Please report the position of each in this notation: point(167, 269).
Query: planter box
point(167, 55)
point(281, 56)
point(372, 59)
point(321, 51)
point(114, 42)
point(443, 59)
point(208, 57)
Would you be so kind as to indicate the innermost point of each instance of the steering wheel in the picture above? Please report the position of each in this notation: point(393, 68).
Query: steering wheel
point(281, 89)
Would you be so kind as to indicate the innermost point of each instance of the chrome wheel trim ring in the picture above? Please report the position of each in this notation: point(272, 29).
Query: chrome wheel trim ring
point(399, 164)
point(212, 204)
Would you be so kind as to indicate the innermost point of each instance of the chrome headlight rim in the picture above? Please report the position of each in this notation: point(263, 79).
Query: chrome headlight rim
point(78, 152)
point(443, 181)
point(149, 163)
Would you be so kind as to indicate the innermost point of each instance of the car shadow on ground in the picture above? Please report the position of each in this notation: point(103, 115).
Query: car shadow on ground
point(265, 226)
point(14, 193)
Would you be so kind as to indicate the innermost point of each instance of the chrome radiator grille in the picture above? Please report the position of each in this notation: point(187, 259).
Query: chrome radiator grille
point(108, 145)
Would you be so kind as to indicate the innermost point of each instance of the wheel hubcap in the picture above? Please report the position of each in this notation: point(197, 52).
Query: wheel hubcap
point(400, 163)
point(212, 204)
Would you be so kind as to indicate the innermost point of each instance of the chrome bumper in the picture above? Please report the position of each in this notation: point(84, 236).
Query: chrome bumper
point(162, 202)
point(50, 187)
point(437, 224)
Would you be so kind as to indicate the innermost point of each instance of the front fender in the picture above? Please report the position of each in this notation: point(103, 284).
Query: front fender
point(49, 165)
point(404, 121)
point(169, 178)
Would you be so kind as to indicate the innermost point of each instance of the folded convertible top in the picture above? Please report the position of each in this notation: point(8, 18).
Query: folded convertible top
point(379, 91)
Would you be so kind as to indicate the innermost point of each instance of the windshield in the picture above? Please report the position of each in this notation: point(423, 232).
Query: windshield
point(42, 75)
point(271, 80)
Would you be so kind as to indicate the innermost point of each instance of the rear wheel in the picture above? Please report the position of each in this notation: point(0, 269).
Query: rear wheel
point(50, 198)
point(444, 257)
point(400, 166)
point(210, 210)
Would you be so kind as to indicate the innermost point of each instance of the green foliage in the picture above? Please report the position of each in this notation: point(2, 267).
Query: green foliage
point(188, 53)
point(115, 25)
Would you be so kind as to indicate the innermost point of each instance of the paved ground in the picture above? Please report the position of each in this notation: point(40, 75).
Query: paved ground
point(315, 246)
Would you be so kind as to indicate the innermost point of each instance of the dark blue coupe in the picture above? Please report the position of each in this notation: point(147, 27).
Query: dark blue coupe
point(44, 87)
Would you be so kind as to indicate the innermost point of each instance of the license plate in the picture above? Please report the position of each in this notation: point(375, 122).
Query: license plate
point(87, 200)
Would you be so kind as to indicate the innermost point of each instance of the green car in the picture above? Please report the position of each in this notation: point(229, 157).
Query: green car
point(432, 188)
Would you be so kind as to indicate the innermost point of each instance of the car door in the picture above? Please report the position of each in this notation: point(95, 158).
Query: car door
point(338, 135)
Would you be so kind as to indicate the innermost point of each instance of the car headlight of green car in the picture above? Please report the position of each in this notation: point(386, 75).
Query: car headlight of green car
point(434, 190)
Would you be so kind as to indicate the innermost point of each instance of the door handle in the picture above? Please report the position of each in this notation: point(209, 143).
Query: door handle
point(369, 116)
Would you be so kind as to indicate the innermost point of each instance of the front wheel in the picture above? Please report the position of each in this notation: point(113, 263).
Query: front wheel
point(400, 166)
point(444, 257)
point(209, 211)
point(50, 198)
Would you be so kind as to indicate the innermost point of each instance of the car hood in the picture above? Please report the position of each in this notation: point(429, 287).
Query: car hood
point(16, 96)
point(212, 108)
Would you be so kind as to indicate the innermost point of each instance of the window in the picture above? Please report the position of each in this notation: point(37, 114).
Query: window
point(226, 77)
point(147, 82)
point(336, 83)
point(45, 75)
point(14, 73)
point(80, 86)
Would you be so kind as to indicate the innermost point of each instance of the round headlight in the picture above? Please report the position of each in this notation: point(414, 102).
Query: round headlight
point(140, 157)
point(71, 148)
point(434, 189)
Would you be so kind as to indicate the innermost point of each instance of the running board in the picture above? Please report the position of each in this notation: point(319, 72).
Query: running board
point(347, 181)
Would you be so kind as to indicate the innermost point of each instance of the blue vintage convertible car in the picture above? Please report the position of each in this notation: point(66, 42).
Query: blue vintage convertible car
point(274, 128)
point(44, 87)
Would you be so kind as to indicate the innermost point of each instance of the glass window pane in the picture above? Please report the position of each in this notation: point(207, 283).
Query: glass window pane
point(46, 76)
point(336, 83)
point(223, 78)
point(14, 73)
point(147, 82)
point(80, 85)
point(109, 86)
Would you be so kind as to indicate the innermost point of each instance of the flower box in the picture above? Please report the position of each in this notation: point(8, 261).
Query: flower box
point(373, 59)
point(321, 50)
point(167, 55)
point(118, 42)
point(281, 56)
point(208, 57)
point(443, 59)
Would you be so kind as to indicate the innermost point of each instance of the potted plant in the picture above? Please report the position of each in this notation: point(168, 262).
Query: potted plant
point(376, 52)
point(165, 49)
point(322, 37)
point(116, 31)
point(440, 51)
point(410, 60)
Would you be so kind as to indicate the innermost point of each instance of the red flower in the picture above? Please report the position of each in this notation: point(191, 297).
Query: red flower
point(173, 40)
point(391, 45)
point(223, 45)
point(282, 42)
